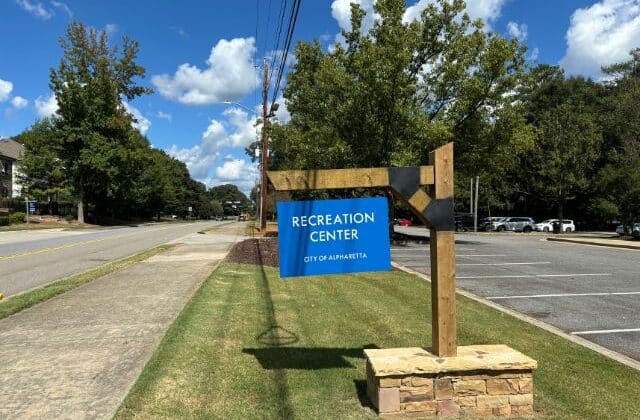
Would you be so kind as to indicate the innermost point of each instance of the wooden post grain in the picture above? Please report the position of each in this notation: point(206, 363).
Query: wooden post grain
point(443, 260)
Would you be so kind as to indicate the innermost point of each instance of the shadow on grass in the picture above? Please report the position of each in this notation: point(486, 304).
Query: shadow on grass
point(361, 391)
point(306, 358)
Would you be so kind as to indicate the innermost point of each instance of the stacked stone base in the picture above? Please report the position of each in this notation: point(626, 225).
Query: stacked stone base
point(481, 381)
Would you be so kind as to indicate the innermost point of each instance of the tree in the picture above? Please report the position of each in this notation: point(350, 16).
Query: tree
point(389, 96)
point(93, 128)
point(232, 199)
point(617, 185)
point(567, 147)
point(41, 171)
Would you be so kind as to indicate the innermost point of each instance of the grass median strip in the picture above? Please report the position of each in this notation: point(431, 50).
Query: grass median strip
point(25, 300)
point(249, 345)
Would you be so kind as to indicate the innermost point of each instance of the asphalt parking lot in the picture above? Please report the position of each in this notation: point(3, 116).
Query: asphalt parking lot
point(589, 291)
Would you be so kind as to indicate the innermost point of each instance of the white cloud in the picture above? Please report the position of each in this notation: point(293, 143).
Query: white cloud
point(164, 116)
point(140, 123)
point(111, 28)
point(5, 90)
point(180, 31)
point(516, 30)
point(65, 8)
point(36, 9)
point(282, 114)
point(487, 10)
point(230, 75)
point(46, 107)
point(341, 11)
point(600, 35)
point(19, 102)
point(236, 170)
point(535, 53)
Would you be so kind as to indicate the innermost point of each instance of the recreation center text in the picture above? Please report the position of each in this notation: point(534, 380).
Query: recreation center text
point(333, 220)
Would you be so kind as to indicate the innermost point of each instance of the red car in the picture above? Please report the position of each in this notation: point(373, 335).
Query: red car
point(402, 222)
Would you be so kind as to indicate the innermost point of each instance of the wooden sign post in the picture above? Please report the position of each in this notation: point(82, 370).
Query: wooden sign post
point(434, 208)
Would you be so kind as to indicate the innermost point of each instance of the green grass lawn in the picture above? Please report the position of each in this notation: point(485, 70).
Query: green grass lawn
point(250, 345)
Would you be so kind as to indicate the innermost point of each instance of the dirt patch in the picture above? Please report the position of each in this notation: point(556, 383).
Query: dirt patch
point(263, 251)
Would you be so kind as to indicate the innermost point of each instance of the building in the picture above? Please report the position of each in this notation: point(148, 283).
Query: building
point(10, 155)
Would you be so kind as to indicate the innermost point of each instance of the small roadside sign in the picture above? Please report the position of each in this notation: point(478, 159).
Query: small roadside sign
point(333, 236)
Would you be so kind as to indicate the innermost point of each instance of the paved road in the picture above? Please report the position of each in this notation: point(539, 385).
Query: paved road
point(590, 291)
point(30, 259)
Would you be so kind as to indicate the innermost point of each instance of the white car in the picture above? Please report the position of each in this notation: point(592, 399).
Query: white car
point(547, 225)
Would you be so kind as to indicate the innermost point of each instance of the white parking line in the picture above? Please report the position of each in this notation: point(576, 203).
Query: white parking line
point(482, 255)
point(510, 263)
point(563, 295)
point(529, 276)
point(606, 331)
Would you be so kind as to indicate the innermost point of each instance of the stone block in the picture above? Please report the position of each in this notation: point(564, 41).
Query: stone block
point(443, 389)
point(525, 385)
point(466, 388)
point(388, 400)
point(476, 411)
point(422, 381)
point(466, 401)
point(415, 394)
point(492, 401)
point(448, 408)
point(521, 399)
point(522, 410)
point(405, 381)
point(502, 411)
point(389, 382)
point(502, 386)
point(426, 406)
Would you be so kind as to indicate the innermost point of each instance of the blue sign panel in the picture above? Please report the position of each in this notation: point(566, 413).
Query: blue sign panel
point(333, 236)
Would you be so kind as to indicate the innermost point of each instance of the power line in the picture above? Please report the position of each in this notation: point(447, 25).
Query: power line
point(264, 46)
point(295, 8)
point(276, 47)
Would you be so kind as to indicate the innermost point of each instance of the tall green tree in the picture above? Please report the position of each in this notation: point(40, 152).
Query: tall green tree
point(567, 146)
point(41, 171)
point(93, 128)
point(388, 96)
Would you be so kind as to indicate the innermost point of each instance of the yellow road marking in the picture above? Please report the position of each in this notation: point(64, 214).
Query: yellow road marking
point(74, 244)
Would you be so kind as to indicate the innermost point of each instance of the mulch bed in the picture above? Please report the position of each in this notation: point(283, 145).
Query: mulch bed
point(262, 251)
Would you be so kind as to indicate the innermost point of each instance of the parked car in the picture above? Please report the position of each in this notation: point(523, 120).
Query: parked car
point(486, 224)
point(633, 230)
point(547, 225)
point(402, 222)
point(514, 224)
point(463, 221)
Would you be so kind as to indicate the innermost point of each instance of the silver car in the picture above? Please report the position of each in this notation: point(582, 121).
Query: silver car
point(514, 224)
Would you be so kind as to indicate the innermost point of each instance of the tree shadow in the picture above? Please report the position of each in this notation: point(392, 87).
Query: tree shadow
point(306, 358)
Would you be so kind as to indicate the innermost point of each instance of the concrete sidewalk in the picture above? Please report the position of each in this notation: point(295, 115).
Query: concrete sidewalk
point(611, 242)
point(77, 355)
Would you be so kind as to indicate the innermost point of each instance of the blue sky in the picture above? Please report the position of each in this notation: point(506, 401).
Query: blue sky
point(199, 54)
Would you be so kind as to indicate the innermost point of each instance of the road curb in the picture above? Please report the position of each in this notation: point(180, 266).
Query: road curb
point(614, 355)
point(585, 242)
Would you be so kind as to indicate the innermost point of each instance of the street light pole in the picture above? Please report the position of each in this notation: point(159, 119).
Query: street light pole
point(265, 149)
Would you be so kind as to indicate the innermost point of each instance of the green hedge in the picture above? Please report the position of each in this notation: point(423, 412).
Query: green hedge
point(17, 217)
point(4, 221)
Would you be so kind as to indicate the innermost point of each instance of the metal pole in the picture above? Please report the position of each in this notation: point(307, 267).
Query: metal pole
point(26, 203)
point(471, 196)
point(475, 210)
point(265, 148)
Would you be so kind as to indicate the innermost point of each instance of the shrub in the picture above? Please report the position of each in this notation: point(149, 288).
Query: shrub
point(69, 218)
point(17, 217)
point(4, 221)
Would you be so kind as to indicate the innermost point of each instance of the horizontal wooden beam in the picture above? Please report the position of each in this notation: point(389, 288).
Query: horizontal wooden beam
point(327, 179)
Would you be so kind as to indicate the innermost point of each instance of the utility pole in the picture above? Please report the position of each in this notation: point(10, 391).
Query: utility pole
point(475, 209)
point(265, 149)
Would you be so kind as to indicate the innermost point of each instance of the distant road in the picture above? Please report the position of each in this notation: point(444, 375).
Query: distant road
point(29, 259)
